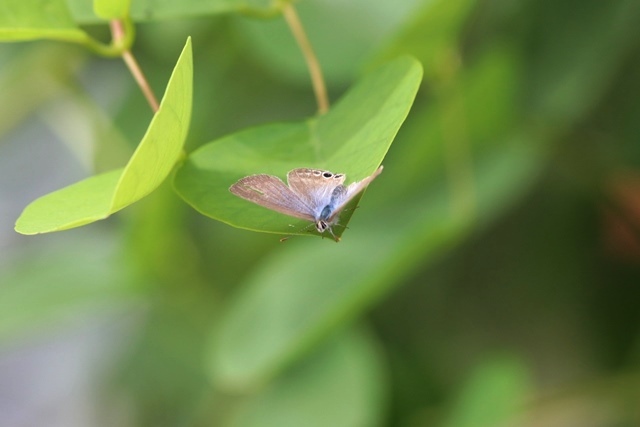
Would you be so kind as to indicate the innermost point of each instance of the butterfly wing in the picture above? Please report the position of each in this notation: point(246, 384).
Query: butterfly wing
point(349, 192)
point(270, 192)
point(315, 186)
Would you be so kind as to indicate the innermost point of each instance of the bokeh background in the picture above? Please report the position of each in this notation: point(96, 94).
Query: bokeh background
point(490, 277)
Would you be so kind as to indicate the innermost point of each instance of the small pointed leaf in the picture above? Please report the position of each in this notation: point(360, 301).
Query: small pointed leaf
point(99, 196)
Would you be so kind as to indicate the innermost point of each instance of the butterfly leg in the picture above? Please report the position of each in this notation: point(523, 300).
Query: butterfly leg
point(336, 238)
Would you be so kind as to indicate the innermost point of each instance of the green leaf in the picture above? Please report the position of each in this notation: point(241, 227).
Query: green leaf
point(98, 197)
point(38, 19)
point(154, 10)
point(352, 138)
point(111, 9)
point(339, 385)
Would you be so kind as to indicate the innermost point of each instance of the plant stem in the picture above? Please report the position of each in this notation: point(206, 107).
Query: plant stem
point(117, 32)
point(319, 88)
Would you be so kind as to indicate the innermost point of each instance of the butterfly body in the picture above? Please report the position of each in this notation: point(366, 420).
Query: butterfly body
point(314, 195)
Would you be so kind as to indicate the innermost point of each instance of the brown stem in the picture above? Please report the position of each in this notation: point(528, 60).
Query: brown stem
point(117, 33)
point(319, 88)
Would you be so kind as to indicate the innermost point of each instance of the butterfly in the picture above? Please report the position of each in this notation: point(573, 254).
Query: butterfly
point(314, 195)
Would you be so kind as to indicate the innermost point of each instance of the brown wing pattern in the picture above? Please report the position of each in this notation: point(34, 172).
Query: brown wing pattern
point(269, 191)
point(314, 185)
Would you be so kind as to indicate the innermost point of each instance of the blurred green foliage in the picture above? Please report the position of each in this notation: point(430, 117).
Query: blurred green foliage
point(490, 275)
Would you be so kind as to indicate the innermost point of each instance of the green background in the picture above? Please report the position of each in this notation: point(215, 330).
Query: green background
point(490, 275)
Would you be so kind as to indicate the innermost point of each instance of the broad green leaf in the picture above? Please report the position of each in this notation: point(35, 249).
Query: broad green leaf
point(493, 396)
point(339, 385)
point(111, 9)
point(153, 10)
point(352, 138)
point(38, 19)
point(99, 196)
point(298, 296)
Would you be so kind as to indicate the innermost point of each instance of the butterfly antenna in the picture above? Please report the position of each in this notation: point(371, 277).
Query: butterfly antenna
point(307, 229)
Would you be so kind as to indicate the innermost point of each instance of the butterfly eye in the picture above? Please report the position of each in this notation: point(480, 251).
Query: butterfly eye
point(321, 226)
point(327, 174)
